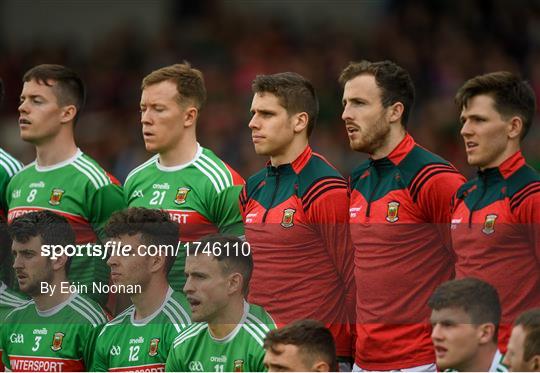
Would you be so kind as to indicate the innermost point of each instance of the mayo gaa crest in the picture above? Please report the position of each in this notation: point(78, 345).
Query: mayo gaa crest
point(58, 338)
point(489, 224)
point(56, 196)
point(181, 195)
point(154, 342)
point(392, 212)
point(288, 218)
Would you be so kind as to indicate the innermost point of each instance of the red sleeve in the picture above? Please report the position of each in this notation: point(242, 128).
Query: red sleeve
point(326, 205)
point(435, 199)
point(525, 204)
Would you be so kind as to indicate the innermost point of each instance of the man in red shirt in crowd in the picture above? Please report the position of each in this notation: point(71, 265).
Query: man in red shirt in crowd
point(295, 215)
point(496, 216)
point(399, 220)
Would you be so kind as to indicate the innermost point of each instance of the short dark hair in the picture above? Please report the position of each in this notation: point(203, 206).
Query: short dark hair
point(294, 92)
point(69, 88)
point(237, 258)
point(189, 82)
point(394, 81)
point(2, 91)
point(52, 228)
point(311, 337)
point(155, 228)
point(530, 322)
point(477, 298)
point(511, 95)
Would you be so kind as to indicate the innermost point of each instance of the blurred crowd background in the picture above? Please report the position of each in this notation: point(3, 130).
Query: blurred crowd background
point(114, 44)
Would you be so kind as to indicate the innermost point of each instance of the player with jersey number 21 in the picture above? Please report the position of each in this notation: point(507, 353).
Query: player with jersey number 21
point(190, 182)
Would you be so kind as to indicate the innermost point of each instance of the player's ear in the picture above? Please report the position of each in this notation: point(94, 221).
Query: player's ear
point(486, 332)
point(320, 366)
point(395, 112)
point(534, 364)
point(190, 116)
point(515, 126)
point(235, 283)
point(59, 263)
point(157, 262)
point(68, 114)
point(300, 121)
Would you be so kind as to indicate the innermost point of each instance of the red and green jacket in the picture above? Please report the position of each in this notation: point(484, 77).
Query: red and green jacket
point(296, 222)
point(399, 222)
point(496, 235)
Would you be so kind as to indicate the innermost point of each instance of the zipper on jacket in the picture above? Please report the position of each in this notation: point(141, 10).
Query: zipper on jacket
point(273, 198)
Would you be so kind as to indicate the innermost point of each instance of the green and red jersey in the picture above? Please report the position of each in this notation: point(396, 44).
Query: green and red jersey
point(126, 344)
point(60, 339)
point(296, 222)
point(496, 235)
point(9, 166)
point(8, 301)
point(197, 350)
point(399, 222)
point(201, 195)
point(81, 191)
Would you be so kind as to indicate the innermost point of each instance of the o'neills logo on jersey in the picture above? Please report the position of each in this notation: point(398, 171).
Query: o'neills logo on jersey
point(288, 218)
point(489, 224)
point(57, 341)
point(239, 365)
point(181, 195)
point(154, 342)
point(392, 212)
point(56, 196)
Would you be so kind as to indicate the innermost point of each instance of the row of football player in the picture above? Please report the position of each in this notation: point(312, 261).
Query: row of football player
point(62, 329)
point(299, 201)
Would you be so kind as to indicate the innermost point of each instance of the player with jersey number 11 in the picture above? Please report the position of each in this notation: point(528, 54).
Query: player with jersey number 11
point(228, 333)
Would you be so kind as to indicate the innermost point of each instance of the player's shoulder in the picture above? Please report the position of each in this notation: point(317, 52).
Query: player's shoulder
point(21, 312)
point(361, 171)
point(9, 163)
point(217, 172)
point(260, 316)
point(176, 308)
point(467, 187)
point(255, 181)
point(190, 334)
point(92, 172)
point(523, 184)
point(140, 169)
point(318, 176)
point(87, 310)
point(11, 299)
point(24, 172)
point(420, 165)
point(117, 323)
point(258, 323)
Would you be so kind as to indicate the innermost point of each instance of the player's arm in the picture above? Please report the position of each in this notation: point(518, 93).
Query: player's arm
point(525, 205)
point(326, 204)
point(433, 189)
point(4, 342)
point(173, 362)
point(102, 203)
point(99, 358)
point(225, 211)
